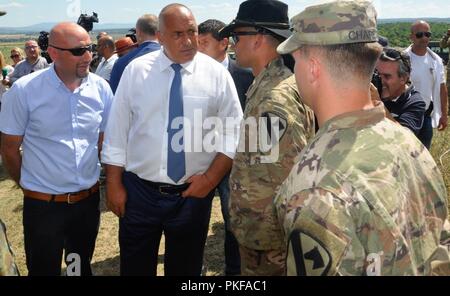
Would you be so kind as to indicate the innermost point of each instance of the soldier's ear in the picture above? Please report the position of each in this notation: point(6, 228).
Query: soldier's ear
point(314, 70)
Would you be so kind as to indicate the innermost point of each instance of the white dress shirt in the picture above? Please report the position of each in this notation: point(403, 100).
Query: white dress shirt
point(105, 67)
point(136, 137)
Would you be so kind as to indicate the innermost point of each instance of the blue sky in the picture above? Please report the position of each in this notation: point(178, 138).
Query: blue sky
point(30, 12)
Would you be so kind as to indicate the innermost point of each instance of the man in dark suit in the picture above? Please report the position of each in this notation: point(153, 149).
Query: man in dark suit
point(146, 28)
point(211, 44)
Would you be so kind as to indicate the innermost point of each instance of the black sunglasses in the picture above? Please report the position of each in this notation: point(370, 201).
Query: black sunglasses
point(395, 55)
point(14, 56)
point(421, 34)
point(235, 35)
point(78, 52)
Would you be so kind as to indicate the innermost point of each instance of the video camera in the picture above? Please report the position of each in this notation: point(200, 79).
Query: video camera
point(87, 21)
point(132, 35)
point(376, 80)
point(43, 45)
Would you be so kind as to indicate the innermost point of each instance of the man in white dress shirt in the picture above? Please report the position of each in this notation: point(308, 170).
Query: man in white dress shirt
point(161, 171)
point(106, 49)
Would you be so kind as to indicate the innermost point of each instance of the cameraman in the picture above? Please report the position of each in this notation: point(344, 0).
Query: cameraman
point(405, 104)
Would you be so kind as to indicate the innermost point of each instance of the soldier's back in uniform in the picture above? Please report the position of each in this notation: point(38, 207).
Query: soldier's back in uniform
point(366, 199)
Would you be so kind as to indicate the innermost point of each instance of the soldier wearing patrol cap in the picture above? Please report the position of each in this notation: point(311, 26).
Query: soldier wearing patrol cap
point(366, 197)
point(274, 105)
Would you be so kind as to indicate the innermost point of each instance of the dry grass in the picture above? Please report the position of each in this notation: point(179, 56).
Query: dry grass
point(106, 257)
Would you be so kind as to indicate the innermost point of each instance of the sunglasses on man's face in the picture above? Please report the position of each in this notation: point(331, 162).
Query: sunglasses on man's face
point(78, 51)
point(421, 34)
point(395, 55)
point(235, 35)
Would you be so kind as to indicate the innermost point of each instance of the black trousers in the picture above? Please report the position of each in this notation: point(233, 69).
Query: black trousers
point(184, 221)
point(51, 228)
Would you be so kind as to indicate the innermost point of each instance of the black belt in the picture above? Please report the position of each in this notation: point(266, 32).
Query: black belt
point(167, 189)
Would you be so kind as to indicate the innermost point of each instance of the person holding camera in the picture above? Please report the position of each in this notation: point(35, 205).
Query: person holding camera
point(401, 99)
point(32, 63)
point(428, 77)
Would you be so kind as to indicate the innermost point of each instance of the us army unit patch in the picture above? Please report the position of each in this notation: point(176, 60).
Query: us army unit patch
point(311, 259)
point(275, 125)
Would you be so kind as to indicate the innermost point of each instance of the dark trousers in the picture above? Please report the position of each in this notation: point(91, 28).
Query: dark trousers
point(231, 246)
point(51, 228)
point(426, 133)
point(149, 213)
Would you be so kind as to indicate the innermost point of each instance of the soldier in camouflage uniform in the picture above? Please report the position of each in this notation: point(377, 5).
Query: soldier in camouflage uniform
point(366, 197)
point(7, 265)
point(287, 123)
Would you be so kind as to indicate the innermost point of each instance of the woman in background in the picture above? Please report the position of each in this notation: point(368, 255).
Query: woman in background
point(17, 55)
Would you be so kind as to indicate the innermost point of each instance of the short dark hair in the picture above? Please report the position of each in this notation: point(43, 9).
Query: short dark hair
point(211, 26)
point(393, 55)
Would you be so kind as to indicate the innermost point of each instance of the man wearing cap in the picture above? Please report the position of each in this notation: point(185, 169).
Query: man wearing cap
point(123, 46)
point(274, 105)
point(366, 197)
point(146, 28)
point(210, 43)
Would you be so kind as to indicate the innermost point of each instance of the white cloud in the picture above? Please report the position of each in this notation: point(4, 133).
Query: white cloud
point(11, 5)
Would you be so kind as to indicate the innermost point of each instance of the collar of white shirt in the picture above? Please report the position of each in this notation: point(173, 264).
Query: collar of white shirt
point(56, 81)
point(226, 62)
point(165, 63)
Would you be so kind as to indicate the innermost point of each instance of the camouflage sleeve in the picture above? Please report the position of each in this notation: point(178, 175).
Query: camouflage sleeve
point(296, 120)
point(7, 265)
point(321, 235)
point(445, 41)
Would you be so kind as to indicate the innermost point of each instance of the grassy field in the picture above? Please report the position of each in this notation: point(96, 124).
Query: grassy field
point(106, 257)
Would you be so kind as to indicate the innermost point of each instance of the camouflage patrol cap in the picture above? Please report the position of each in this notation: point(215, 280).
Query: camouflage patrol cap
point(337, 22)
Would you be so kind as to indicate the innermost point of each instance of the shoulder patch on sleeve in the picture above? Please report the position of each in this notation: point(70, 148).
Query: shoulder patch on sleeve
point(311, 258)
point(275, 125)
point(314, 250)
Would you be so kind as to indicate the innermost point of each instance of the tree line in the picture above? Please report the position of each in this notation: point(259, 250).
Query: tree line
point(398, 33)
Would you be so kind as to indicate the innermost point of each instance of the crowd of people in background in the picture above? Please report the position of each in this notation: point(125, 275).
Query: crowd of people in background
point(345, 186)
